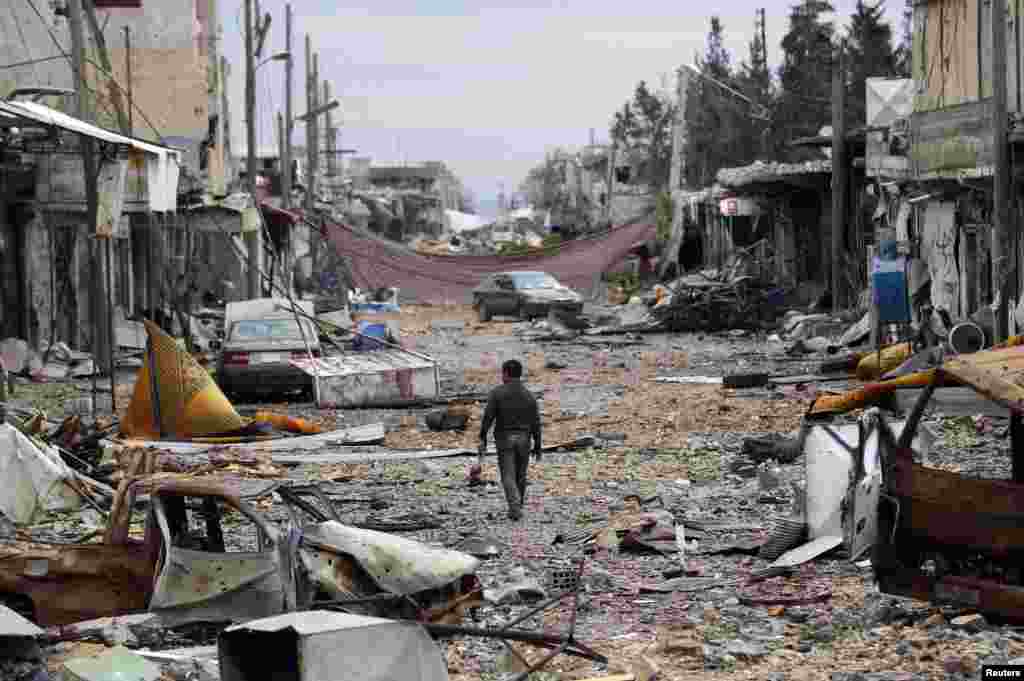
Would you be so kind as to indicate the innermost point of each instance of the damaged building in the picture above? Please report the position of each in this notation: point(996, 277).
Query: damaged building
point(405, 201)
point(171, 118)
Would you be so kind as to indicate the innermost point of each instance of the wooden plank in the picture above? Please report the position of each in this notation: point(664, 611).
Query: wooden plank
point(952, 491)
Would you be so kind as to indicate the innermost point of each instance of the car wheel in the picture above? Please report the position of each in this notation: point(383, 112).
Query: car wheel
point(483, 312)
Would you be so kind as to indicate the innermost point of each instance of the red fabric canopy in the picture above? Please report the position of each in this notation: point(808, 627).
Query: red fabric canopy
point(376, 262)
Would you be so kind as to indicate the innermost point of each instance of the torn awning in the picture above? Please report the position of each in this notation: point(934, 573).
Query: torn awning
point(162, 164)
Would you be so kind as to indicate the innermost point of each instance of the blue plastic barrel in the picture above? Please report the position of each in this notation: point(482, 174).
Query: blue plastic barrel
point(890, 281)
point(373, 331)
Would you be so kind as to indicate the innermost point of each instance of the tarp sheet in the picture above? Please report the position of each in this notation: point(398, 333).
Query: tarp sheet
point(36, 479)
point(437, 279)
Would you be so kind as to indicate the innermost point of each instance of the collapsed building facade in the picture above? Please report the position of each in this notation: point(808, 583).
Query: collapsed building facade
point(404, 201)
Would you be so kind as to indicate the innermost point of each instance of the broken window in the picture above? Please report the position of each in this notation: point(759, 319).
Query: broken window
point(201, 523)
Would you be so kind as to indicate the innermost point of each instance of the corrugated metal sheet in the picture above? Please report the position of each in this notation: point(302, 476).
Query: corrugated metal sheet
point(44, 114)
point(371, 362)
point(996, 374)
point(379, 377)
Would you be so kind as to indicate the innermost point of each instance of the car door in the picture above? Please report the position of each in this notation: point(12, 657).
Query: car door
point(200, 579)
point(506, 296)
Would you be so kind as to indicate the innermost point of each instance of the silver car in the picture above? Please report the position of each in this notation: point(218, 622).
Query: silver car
point(525, 295)
point(257, 353)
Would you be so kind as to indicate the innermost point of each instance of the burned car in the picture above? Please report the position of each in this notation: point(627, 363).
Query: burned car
point(182, 569)
point(525, 295)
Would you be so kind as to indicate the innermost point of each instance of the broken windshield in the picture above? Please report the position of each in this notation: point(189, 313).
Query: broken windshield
point(531, 280)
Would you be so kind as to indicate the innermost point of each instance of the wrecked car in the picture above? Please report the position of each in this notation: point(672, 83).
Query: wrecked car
point(182, 569)
point(939, 536)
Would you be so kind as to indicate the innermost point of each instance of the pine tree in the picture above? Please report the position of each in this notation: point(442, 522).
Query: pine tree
point(717, 121)
point(755, 77)
point(871, 55)
point(645, 126)
point(716, 61)
point(755, 81)
point(805, 77)
point(905, 51)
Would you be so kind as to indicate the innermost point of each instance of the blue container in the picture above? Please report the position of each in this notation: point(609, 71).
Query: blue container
point(890, 281)
point(373, 331)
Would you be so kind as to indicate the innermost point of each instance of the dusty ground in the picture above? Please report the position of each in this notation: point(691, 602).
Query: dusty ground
point(679, 442)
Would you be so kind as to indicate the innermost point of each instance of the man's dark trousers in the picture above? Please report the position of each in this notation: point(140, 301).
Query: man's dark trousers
point(513, 461)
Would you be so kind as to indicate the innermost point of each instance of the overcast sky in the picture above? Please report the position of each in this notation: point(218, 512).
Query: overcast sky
point(485, 88)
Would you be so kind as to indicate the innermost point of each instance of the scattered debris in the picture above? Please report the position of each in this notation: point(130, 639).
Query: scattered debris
point(519, 587)
point(481, 546)
point(772, 447)
point(453, 417)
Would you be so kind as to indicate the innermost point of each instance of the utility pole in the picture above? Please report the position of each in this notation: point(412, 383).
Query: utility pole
point(310, 128)
point(252, 239)
point(839, 173)
point(128, 70)
point(288, 270)
point(312, 143)
point(1002, 196)
point(332, 160)
point(764, 40)
point(100, 323)
point(286, 151)
point(225, 127)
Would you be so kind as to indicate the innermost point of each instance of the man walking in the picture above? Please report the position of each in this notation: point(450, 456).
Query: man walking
point(513, 412)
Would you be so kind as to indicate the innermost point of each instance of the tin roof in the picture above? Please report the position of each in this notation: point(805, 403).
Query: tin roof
point(41, 113)
point(759, 171)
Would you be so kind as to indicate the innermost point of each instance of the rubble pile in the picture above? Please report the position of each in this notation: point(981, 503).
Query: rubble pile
point(691, 526)
point(703, 303)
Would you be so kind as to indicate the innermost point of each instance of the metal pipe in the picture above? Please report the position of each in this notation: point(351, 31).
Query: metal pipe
point(448, 630)
point(914, 419)
point(110, 326)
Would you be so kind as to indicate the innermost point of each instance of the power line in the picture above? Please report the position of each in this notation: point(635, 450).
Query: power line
point(31, 62)
point(24, 42)
point(60, 48)
point(99, 68)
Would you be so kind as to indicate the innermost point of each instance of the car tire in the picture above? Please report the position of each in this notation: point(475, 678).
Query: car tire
point(482, 312)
